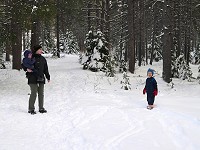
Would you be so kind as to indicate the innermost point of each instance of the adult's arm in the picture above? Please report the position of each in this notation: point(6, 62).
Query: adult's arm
point(46, 71)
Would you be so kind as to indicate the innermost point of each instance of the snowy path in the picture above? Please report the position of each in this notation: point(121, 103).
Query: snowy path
point(87, 111)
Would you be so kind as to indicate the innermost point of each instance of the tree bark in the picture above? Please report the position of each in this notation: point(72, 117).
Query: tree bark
point(16, 31)
point(58, 29)
point(8, 49)
point(131, 40)
point(107, 18)
point(167, 42)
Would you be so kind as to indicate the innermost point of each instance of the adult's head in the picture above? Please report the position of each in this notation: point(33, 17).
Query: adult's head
point(37, 49)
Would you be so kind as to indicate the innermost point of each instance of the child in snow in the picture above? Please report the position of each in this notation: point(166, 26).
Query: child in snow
point(28, 62)
point(150, 88)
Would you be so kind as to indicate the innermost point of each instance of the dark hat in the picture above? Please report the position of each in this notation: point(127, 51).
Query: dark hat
point(35, 48)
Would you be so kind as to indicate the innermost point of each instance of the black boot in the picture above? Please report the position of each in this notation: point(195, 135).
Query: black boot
point(43, 111)
point(32, 112)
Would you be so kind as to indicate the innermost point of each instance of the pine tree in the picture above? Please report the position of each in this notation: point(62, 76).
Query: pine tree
point(174, 66)
point(197, 55)
point(97, 53)
point(198, 78)
point(110, 66)
point(184, 70)
point(2, 65)
point(68, 43)
point(125, 81)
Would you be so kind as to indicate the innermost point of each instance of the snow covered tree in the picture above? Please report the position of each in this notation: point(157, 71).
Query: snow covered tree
point(110, 66)
point(97, 53)
point(184, 70)
point(196, 57)
point(198, 78)
point(2, 65)
point(68, 43)
point(174, 66)
point(90, 44)
point(125, 81)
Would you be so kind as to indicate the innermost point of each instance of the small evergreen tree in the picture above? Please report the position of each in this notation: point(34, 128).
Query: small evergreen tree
point(198, 78)
point(157, 54)
point(2, 65)
point(174, 65)
point(125, 82)
point(90, 44)
point(68, 43)
point(97, 54)
point(196, 56)
point(110, 65)
point(184, 70)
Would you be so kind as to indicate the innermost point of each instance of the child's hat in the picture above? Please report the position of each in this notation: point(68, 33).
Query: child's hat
point(150, 70)
point(26, 53)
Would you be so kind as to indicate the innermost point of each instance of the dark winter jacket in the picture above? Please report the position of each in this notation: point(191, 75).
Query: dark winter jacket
point(151, 85)
point(28, 62)
point(42, 68)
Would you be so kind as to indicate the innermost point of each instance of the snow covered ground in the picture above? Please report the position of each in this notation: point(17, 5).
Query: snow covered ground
point(88, 111)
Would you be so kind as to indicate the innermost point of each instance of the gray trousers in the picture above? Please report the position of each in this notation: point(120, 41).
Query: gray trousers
point(36, 89)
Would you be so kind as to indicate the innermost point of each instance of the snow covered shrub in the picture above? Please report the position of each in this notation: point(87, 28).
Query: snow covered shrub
point(195, 56)
point(198, 78)
point(48, 43)
point(125, 80)
point(2, 66)
point(80, 57)
point(68, 43)
point(157, 55)
point(110, 67)
point(97, 54)
point(174, 65)
point(184, 70)
point(171, 84)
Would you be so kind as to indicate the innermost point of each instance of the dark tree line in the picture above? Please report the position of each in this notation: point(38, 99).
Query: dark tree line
point(137, 32)
point(144, 31)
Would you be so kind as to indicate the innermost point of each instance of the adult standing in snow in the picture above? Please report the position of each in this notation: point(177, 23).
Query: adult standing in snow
point(37, 86)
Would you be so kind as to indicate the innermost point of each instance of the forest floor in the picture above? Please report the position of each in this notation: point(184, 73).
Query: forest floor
point(88, 111)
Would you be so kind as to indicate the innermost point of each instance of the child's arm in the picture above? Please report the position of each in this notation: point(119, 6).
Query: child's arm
point(144, 90)
point(26, 64)
point(155, 92)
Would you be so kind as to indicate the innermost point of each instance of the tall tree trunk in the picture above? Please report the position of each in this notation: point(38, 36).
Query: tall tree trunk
point(177, 43)
point(141, 49)
point(131, 43)
point(16, 41)
point(188, 32)
point(35, 32)
point(58, 29)
point(97, 14)
point(107, 18)
point(153, 34)
point(89, 15)
point(8, 49)
point(167, 42)
point(102, 15)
